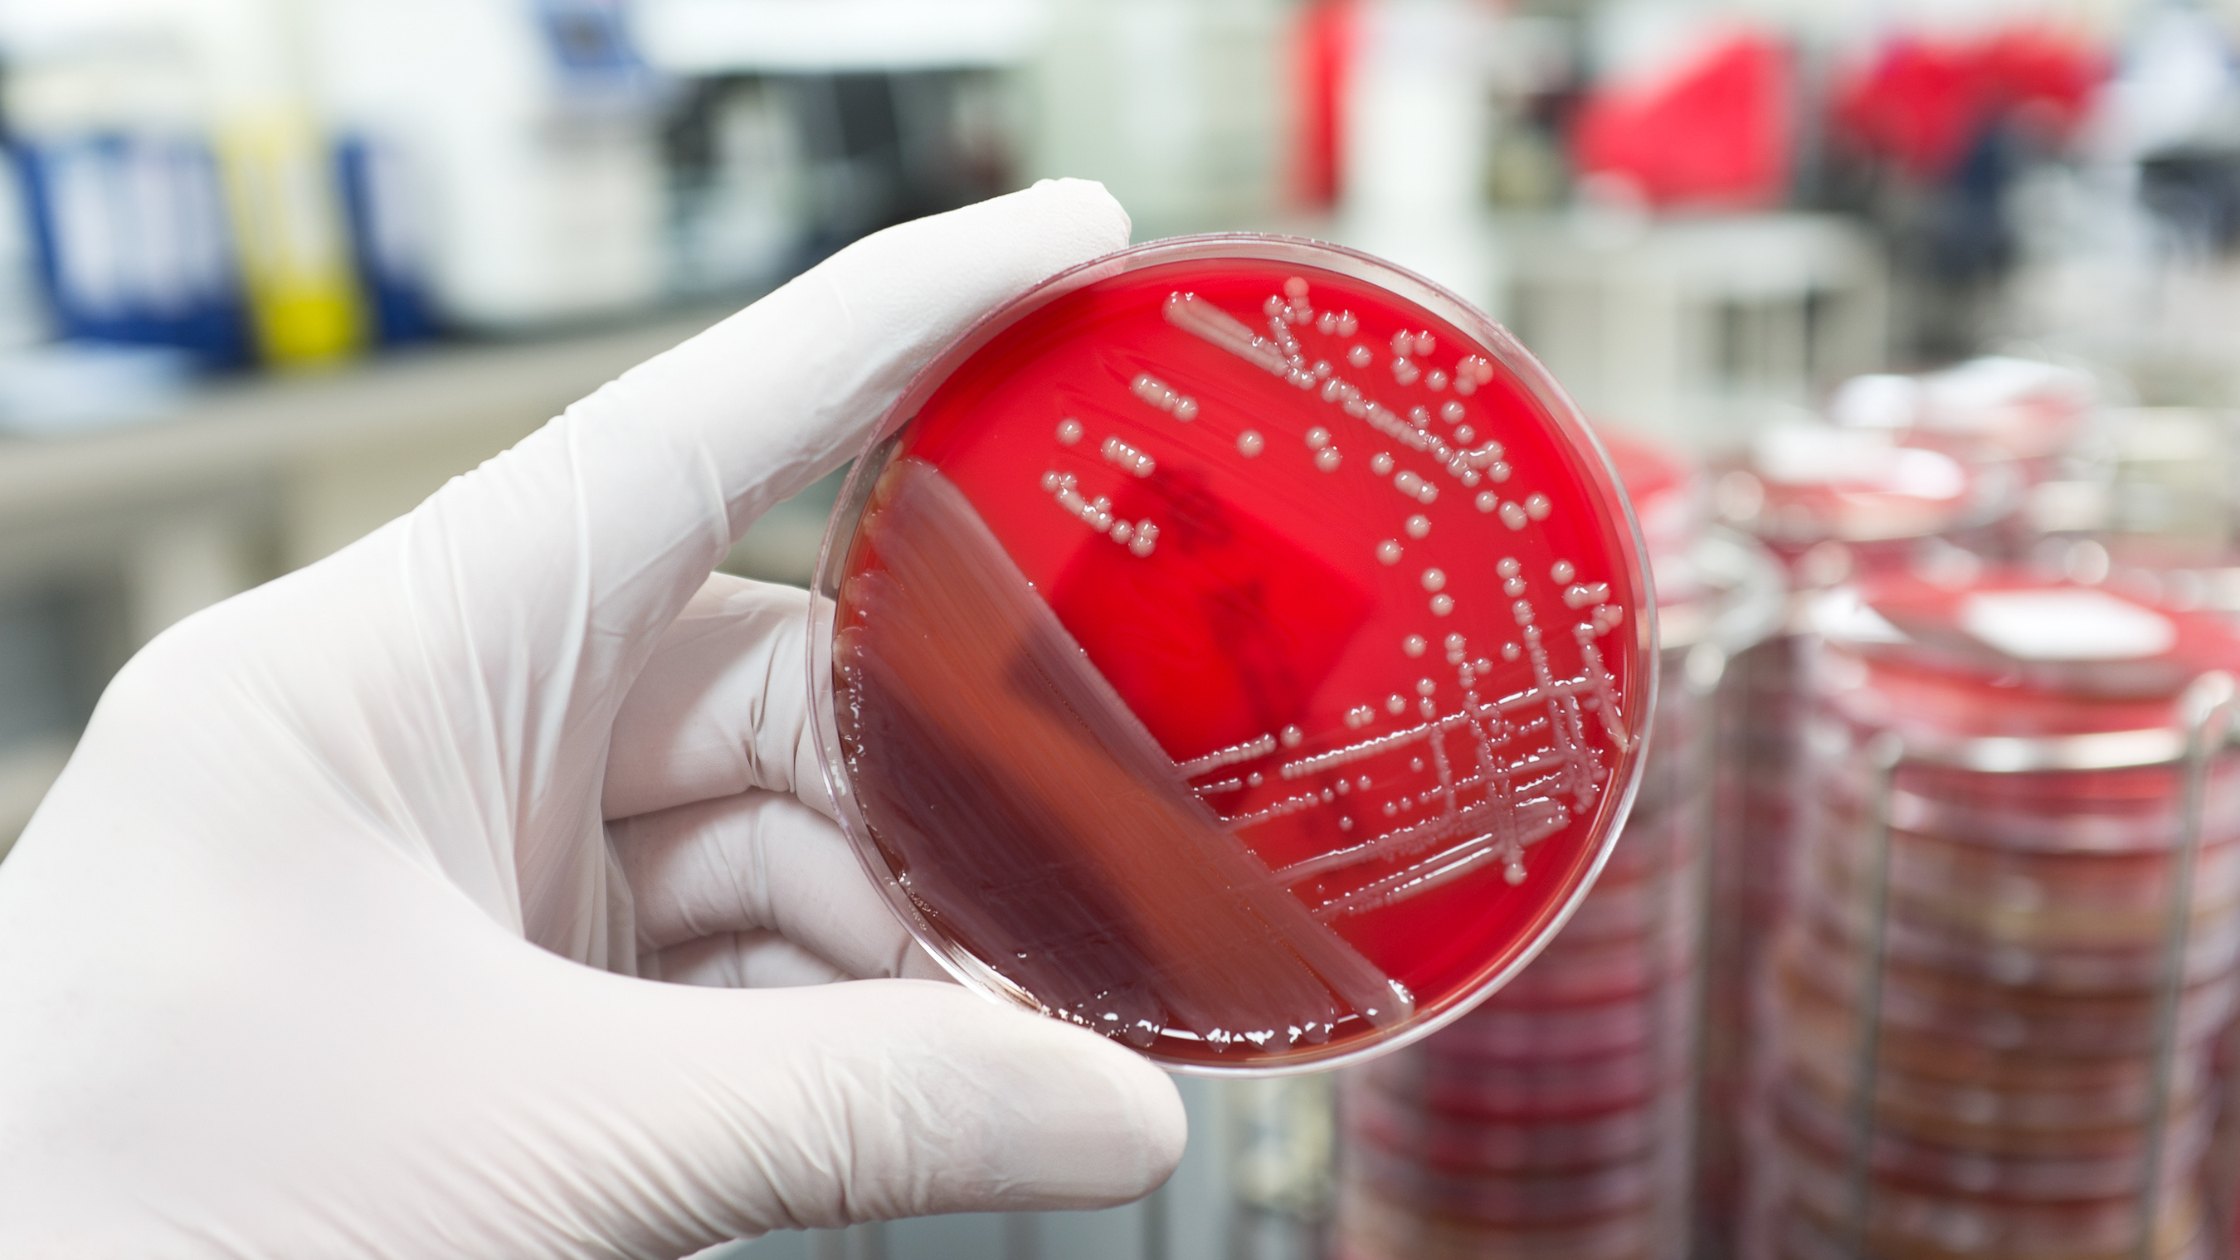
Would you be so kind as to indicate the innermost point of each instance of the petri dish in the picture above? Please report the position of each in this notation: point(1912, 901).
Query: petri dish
point(1903, 1216)
point(2212, 948)
point(1377, 1226)
point(1466, 1082)
point(1806, 483)
point(1671, 498)
point(2039, 1164)
point(1801, 1239)
point(1602, 972)
point(2111, 1117)
point(1534, 1199)
point(2021, 1084)
point(1235, 645)
point(1464, 1141)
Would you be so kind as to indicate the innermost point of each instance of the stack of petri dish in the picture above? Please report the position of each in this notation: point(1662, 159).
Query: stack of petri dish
point(1832, 504)
point(2032, 411)
point(1555, 1118)
point(2016, 923)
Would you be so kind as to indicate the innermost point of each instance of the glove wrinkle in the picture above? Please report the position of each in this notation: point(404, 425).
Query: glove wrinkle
point(620, 924)
point(759, 860)
point(721, 707)
point(750, 959)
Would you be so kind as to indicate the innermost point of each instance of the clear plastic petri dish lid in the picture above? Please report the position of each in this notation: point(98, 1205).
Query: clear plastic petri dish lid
point(2132, 810)
point(1805, 483)
point(2014, 656)
point(1671, 497)
point(1465, 1141)
point(1713, 584)
point(1519, 1200)
point(1374, 1225)
point(1464, 1081)
point(1235, 645)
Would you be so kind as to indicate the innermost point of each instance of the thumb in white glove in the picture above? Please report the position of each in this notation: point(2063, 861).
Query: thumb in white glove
point(271, 981)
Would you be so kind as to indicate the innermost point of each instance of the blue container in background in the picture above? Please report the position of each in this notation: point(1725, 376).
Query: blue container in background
point(378, 199)
point(134, 244)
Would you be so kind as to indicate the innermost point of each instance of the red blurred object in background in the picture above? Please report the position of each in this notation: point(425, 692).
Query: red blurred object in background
point(1925, 104)
point(1328, 39)
point(1713, 130)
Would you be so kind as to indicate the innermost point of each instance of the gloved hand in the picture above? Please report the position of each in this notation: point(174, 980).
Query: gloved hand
point(313, 949)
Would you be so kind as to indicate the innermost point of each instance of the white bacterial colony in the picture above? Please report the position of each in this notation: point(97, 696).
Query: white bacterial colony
point(1280, 354)
point(1488, 775)
point(1159, 394)
point(1514, 514)
point(1118, 452)
point(1212, 761)
point(1139, 537)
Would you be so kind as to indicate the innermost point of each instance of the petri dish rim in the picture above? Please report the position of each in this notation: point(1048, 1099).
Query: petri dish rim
point(855, 493)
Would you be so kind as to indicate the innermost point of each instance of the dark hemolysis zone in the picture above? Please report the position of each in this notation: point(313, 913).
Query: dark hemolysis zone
point(1036, 915)
point(1035, 821)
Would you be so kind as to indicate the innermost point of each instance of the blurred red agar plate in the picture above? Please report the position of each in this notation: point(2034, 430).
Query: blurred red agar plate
point(1237, 646)
point(2010, 655)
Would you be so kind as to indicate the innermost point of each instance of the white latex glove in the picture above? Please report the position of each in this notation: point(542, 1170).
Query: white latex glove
point(312, 950)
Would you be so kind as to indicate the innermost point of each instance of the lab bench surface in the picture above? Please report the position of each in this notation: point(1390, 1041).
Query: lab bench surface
point(351, 446)
point(245, 480)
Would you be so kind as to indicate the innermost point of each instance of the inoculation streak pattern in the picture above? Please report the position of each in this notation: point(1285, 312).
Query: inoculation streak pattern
point(1496, 772)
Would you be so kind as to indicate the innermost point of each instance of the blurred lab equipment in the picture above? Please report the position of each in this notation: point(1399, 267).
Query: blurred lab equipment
point(1697, 331)
point(531, 133)
point(795, 129)
point(126, 204)
point(1930, 133)
point(1178, 106)
point(1830, 503)
point(294, 250)
point(1706, 125)
point(388, 240)
point(1417, 131)
point(23, 310)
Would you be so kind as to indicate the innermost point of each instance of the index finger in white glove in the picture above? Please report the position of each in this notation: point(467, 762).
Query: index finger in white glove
point(532, 590)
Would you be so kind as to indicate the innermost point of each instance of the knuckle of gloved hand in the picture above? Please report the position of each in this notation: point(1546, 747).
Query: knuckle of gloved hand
point(191, 657)
point(783, 600)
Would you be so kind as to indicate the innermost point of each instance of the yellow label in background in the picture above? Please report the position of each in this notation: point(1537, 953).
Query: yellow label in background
point(291, 238)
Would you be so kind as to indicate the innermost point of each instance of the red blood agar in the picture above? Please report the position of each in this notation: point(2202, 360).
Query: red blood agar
point(1237, 646)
